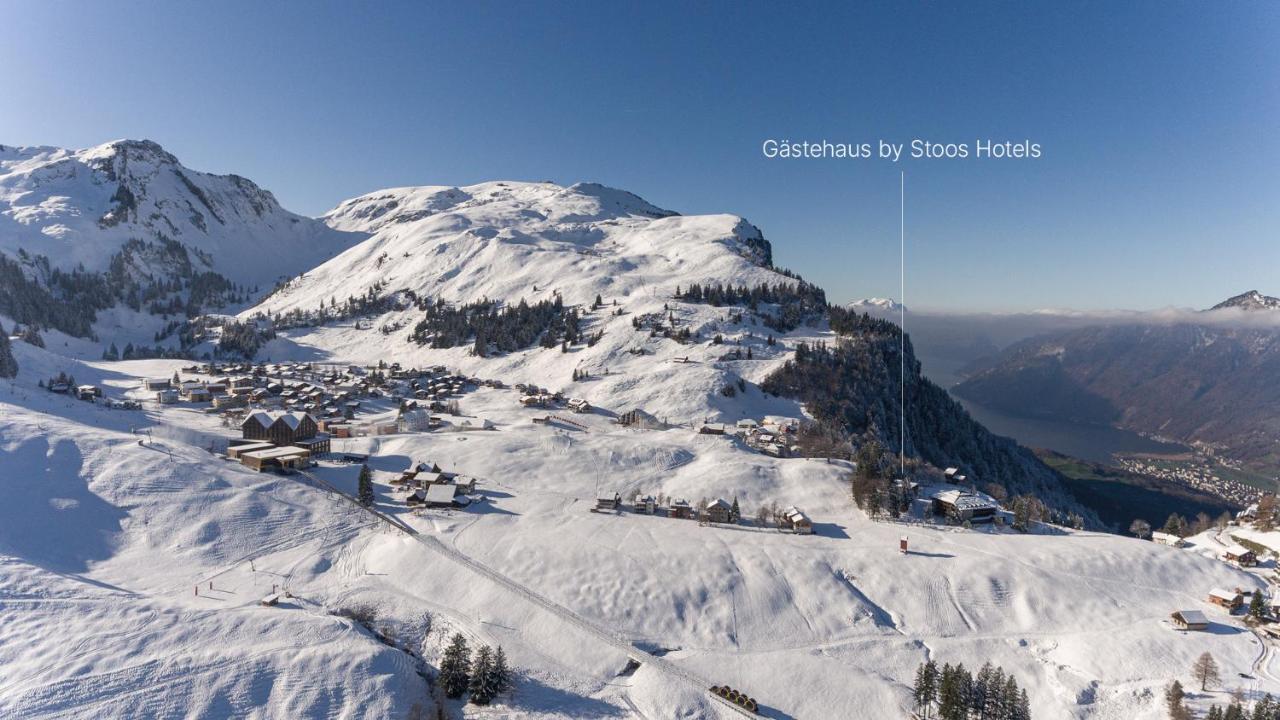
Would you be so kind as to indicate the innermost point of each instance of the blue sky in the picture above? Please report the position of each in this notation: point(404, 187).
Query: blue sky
point(1159, 123)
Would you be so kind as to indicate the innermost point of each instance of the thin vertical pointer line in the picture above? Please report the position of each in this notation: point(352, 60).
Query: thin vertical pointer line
point(902, 324)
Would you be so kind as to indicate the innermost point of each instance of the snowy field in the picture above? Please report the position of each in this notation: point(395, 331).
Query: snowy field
point(133, 560)
point(106, 540)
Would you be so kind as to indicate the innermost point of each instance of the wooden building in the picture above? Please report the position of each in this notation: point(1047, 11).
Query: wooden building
point(1189, 620)
point(280, 428)
point(959, 507)
point(284, 458)
point(1229, 599)
point(679, 508)
point(1240, 555)
point(717, 511)
point(796, 521)
point(608, 503)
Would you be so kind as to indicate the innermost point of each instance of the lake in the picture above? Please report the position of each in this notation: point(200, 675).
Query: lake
point(1096, 443)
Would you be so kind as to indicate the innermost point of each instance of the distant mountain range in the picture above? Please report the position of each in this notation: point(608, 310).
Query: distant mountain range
point(875, 305)
point(1194, 382)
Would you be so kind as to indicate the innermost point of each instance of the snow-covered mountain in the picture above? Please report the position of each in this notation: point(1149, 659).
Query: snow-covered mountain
point(512, 240)
point(875, 305)
point(1252, 300)
point(83, 207)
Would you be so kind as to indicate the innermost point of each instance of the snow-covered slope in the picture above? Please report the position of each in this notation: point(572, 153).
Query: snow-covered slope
point(103, 542)
point(80, 207)
point(1251, 301)
point(513, 240)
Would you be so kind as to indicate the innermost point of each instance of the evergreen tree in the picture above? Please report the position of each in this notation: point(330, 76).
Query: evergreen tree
point(926, 688)
point(1265, 709)
point(31, 336)
point(455, 668)
point(481, 686)
point(365, 493)
point(1234, 711)
point(8, 365)
point(1022, 710)
point(501, 672)
point(735, 512)
point(1256, 605)
point(1173, 697)
point(1205, 670)
point(1176, 525)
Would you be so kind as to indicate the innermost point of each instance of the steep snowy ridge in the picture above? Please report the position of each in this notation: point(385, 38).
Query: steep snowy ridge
point(80, 207)
point(1252, 300)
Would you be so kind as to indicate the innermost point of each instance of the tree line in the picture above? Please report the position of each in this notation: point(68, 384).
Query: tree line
point(796, 301)
point(953, 693)
point(491, 328)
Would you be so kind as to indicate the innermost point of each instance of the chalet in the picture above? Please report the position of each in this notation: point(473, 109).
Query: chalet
point(167, 397)
point(1229, 599)
point(532, 400)
point(579, 405)
point(216, 388)
point(747, 424)
point(959, 506)
point(773, 449)
point(1189, 620)
point(608, 503)
point(797, 522)
point(283, 458)
point(438, 495)
point(1240, 555)
point(88, 392)
point(414, 419)
point(712, 429)
point(680, 508)
point(1164, 538)
point(717, 511)
point(155, 384)
point(230, 401)
point(646, 504)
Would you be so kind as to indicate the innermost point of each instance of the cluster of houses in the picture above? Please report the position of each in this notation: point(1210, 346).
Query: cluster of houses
point(1231, 600)
point(775, 437)
point(1234, 553)
point(278, 441)
point(89, 393)
point(532, 396)
point(428, 486)
point(717, 511)
point(331, 395)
